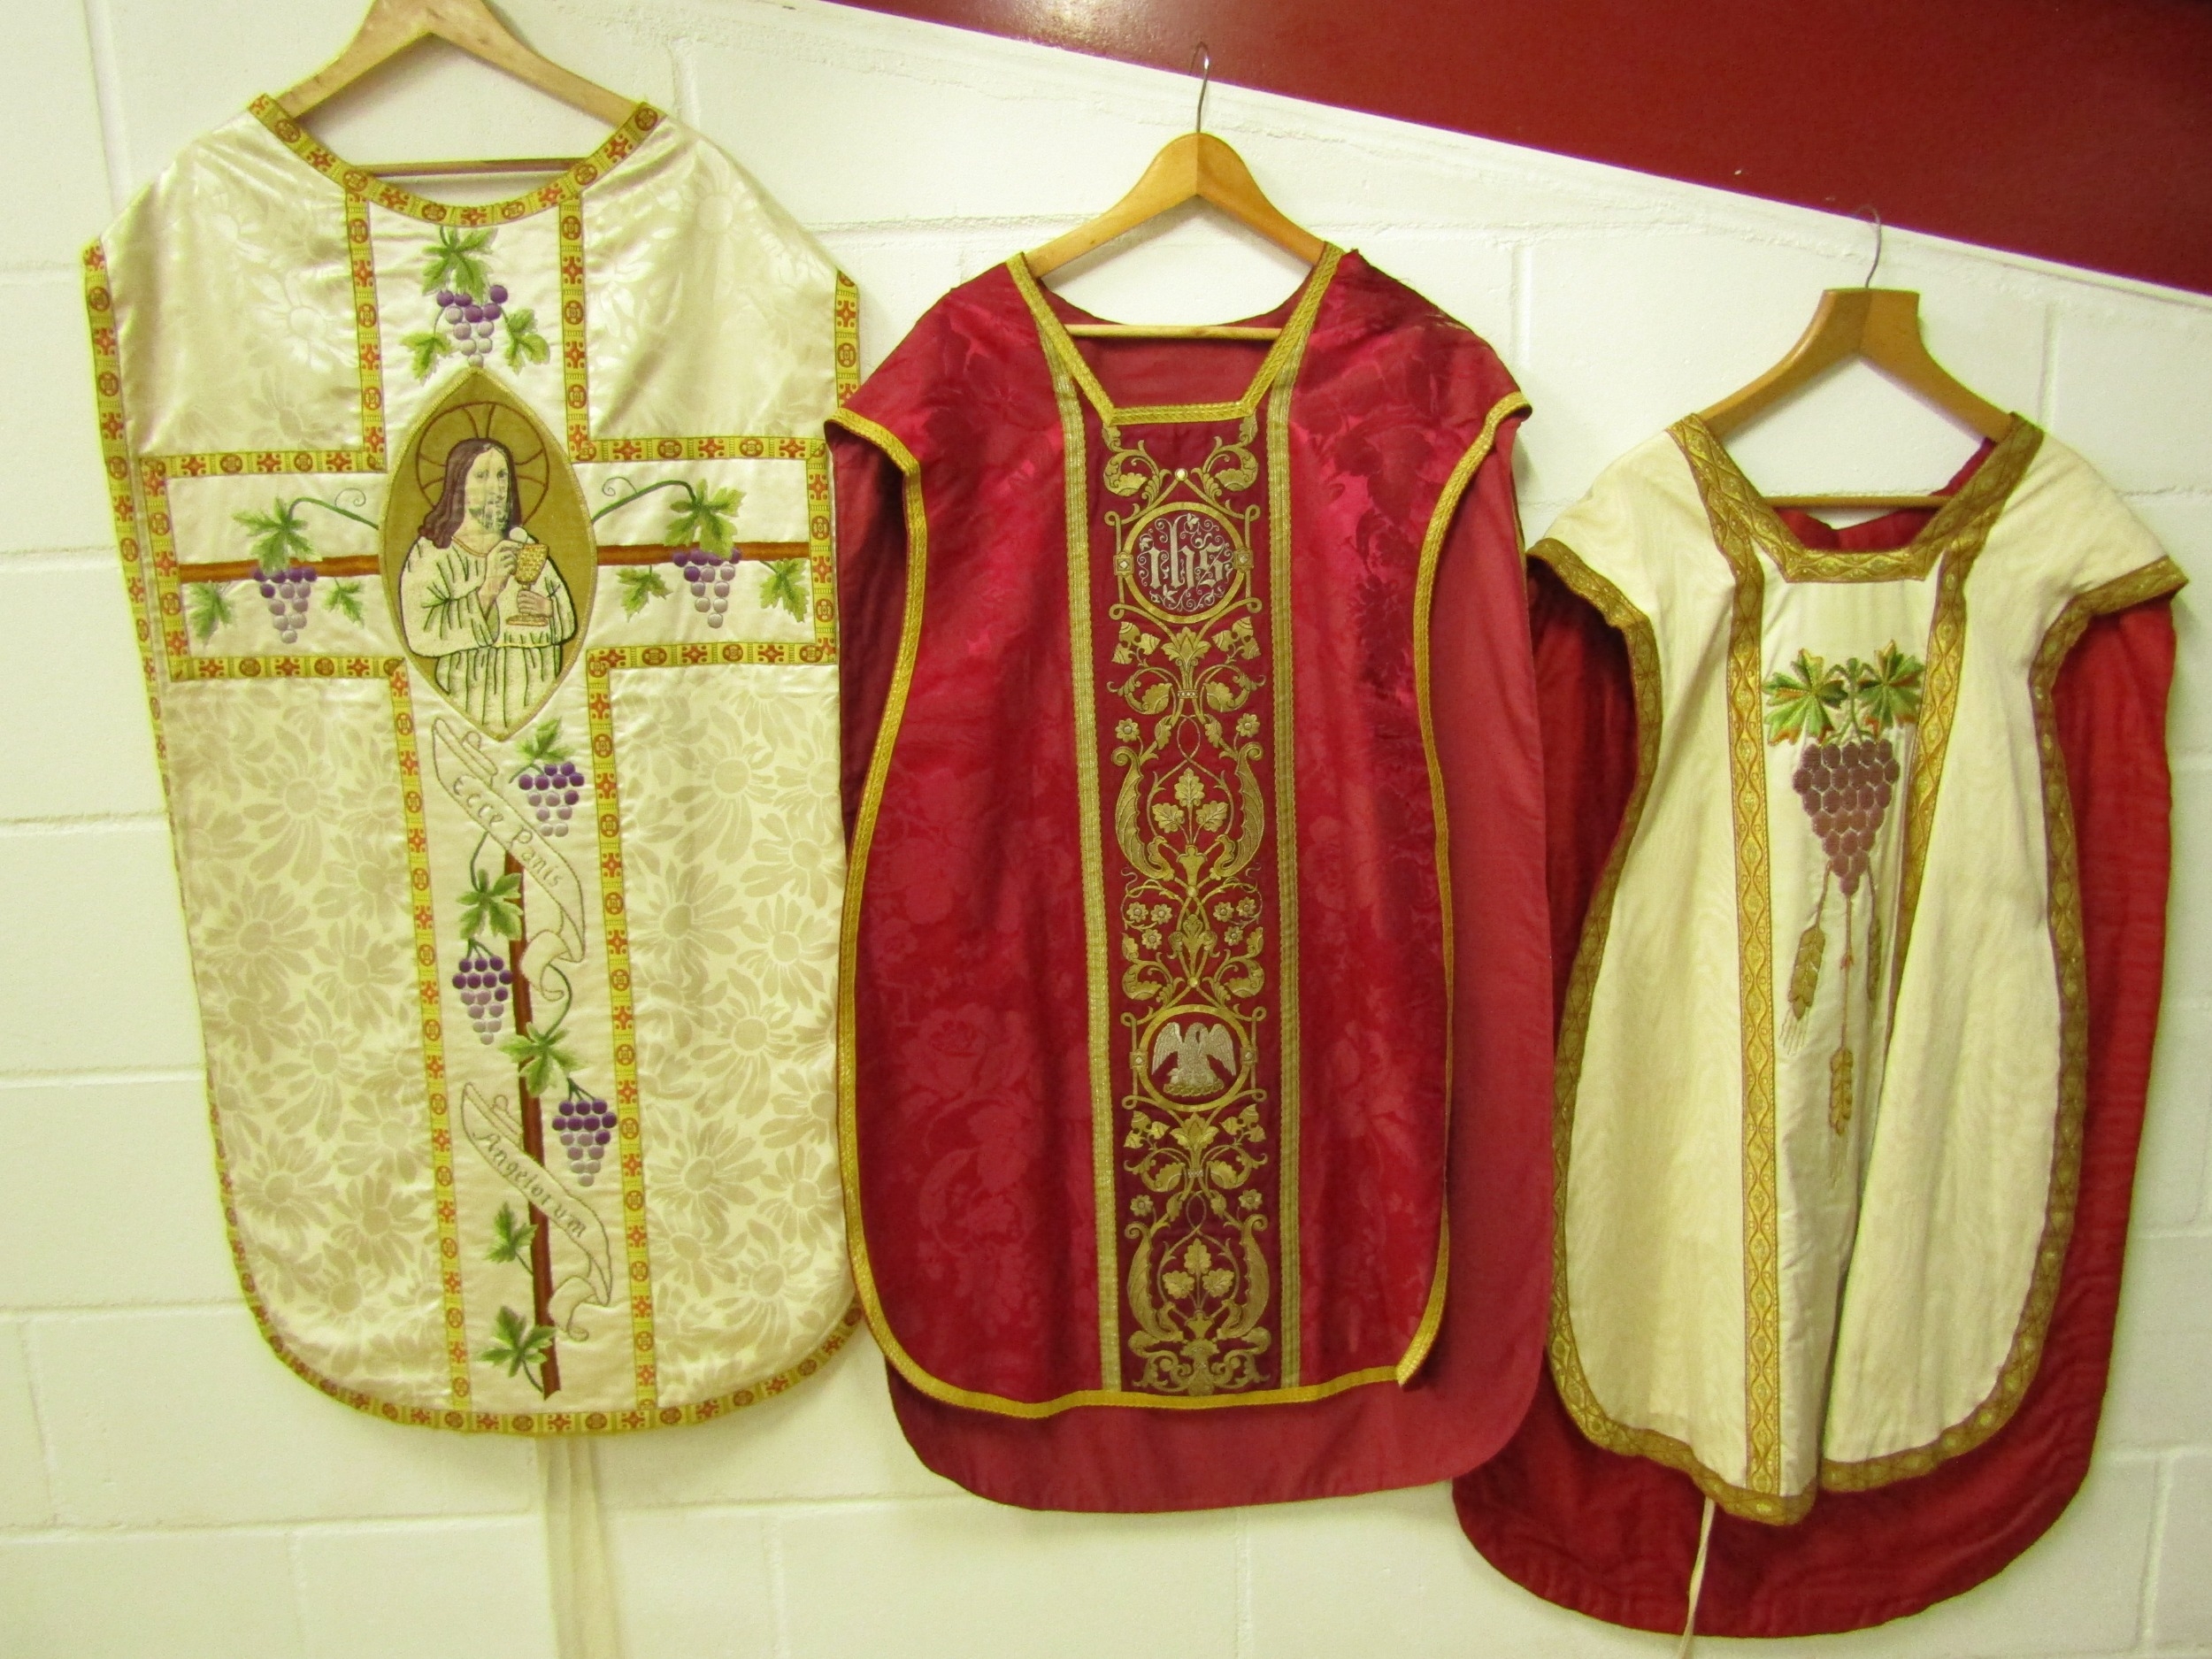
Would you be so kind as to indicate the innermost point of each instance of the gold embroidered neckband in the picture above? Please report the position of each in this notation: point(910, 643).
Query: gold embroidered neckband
point(366, 184)
point(1732, 498)
point(1288, 349)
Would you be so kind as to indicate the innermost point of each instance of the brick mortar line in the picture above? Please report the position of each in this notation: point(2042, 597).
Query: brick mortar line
point(61, 1530)
point(51, 558)
point(684, 79)
point(132, 1531)
point(113, 1077)
point(2047, 370)
point(97, 1312)
point(294, 1574)
point(82, 823)
point(107, 101)
point(1242, 1608)
point(773, 1565)
point(2153, 1555)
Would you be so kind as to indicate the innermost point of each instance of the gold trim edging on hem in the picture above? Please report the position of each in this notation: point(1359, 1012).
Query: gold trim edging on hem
point(2154, 580)
point(2150, 582)
point(1598, 1425)
point(864, 833)
point(1461, 476)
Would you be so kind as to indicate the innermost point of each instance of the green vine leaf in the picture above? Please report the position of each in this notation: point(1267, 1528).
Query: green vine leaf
point(641, 584)
point(1805, 698)
point(345, 599)
point(538, 1057)
point(703, 518)
point(426, 350)
point(456, 261)
point(492, 907)
point(544, 746)
point(511, 1235)
point(279, 540)
point(520, 1344)
point(525, 343)
point(787, 584)
point(207, 608)
point(1888, 690)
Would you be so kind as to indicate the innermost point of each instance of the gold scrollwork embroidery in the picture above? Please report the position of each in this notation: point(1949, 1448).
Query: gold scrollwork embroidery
point(1190, 820)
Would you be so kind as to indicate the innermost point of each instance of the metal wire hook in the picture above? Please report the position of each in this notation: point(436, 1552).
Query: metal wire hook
point(1204, 60)
point(1876, 213)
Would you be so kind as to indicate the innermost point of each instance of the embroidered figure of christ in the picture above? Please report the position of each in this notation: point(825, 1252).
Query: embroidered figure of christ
point(488, 554)
point(480, 595)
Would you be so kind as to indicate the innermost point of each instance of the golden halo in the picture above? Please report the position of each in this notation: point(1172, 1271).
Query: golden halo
point(484, 419)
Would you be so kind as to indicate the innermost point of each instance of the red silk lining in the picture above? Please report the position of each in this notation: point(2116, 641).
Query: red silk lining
point(1614, 1536)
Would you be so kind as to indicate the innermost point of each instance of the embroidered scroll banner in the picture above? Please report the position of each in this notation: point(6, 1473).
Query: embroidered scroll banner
point(494, 1131)
point(471, 777)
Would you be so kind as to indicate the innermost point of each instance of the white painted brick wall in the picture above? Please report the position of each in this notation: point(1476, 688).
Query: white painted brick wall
point(166, 1488)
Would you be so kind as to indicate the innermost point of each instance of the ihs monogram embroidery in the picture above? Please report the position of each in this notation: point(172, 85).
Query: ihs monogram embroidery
point(1190, 820)
point(1846, 777)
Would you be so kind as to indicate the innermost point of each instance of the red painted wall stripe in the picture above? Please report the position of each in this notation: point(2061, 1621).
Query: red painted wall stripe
point(2076, 130)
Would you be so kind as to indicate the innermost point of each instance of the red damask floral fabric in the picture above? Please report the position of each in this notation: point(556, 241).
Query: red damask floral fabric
point(971, 1154)
point(1614, 1537)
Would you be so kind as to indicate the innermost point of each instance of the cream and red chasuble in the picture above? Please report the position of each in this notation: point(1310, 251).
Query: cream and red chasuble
point(480, 560)
point(1195, 973)
point(1822, 1066)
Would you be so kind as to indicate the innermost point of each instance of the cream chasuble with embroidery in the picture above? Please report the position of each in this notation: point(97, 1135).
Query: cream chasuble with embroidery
point(480, 561)
point(1820, 1076)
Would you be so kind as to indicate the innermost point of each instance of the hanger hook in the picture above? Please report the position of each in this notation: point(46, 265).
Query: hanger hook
point(1204, 61)
point(1876, 214)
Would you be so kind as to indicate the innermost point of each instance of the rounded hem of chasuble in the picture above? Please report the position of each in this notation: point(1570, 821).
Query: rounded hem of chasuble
point(1274, 380)
point(1598, 1425)
point(536, 1425)
point(2018, 1368)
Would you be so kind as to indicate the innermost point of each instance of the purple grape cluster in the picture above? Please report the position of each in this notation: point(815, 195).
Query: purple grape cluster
point(289, 593)
point(585, 1124)
point(1845, 788)
point(482, 980)
point(710, 576)
point(472, 322)
point(553, 788)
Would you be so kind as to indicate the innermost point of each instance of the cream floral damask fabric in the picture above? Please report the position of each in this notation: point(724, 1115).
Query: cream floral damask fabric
point(298, 889)
point(735, 846)
point(480, 561)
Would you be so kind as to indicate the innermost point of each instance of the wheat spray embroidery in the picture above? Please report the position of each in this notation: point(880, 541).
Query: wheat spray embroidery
point(1843, 715)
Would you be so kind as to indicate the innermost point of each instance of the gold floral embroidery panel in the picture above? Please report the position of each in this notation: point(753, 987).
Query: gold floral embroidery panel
point(1184, 704)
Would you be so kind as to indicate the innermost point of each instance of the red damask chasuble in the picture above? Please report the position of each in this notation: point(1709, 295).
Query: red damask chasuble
point(1615, 1536)
point(1195, 954)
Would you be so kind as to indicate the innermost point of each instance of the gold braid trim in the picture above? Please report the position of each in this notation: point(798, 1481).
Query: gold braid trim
point(1281, 356)
point(2150, 581)
point(1946, 656)
point(1068, 366)
point(360, 181)
point(1098, 1019)
point(1963, 519)
point(1581, 1400)
point(1462, 474)
point(1735, 533)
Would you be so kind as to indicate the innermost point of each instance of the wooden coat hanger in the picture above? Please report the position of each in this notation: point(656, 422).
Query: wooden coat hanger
point(1881, 325)
point(392, 25)
point(1196, 165)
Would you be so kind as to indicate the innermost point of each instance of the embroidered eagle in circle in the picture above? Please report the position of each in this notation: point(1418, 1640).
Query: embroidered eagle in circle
point(1195, 1047)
